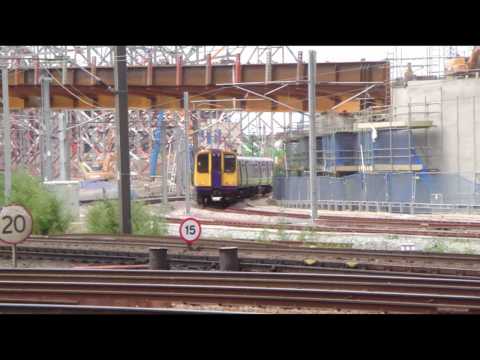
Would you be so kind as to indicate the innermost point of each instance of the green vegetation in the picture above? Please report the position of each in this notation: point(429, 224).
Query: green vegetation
point(250, 147)
point(103, 218)
point(263, 237)
point(303, 236)
point(228, 236)
point(469, 250)
point(47, 213)
point(327, 245)
point(308, 233)
point(437, 246)
point(281, 233)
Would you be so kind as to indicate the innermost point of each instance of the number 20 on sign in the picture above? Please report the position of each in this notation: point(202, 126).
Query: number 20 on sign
point(190, 230)
point(15, 227)
point(15, 224)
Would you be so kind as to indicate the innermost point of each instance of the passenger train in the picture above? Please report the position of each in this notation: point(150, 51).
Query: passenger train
point(222, 176)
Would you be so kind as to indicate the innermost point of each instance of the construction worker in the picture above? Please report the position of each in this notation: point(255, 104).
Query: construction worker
point(409, 75)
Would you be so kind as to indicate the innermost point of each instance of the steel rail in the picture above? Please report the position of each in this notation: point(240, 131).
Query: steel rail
point(281, 247)
point(318, 281)
point(358, 220)
point(134, 294)
point(53, 272)
point(49, 309)
point(322, 257)
point(71, 254)
point(346, 229)
point(211, 262)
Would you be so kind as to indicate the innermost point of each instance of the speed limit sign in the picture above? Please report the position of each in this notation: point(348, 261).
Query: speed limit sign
point(15, 224)
point(190, 230)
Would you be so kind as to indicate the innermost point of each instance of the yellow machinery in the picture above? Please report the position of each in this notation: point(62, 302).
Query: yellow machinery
point(107, 171)
point(456, 66)
point(462, 65)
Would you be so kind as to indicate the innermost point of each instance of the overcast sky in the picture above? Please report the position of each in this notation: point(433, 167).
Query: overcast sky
point(372, 53)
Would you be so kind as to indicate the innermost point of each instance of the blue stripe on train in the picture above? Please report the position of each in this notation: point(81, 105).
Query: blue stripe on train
point(216, 168)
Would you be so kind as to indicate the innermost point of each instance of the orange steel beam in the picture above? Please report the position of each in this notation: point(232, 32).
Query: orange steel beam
point(163, 86)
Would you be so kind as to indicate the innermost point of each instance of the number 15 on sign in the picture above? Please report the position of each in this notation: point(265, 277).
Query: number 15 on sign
point(190, 230)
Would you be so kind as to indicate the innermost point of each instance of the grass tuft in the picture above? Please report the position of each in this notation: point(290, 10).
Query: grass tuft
point(103, 218)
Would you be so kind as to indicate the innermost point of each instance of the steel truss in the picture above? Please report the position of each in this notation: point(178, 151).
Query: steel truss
point(90, 134)
point(59, 56)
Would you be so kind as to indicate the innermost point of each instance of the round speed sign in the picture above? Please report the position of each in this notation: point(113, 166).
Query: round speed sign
point(190, 230)
point(15, 224)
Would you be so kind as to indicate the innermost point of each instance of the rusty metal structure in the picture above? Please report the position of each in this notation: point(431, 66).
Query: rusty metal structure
point(248, 87)
point(235, 91)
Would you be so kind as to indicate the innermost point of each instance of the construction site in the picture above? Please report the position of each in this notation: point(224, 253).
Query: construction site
point(386, 138)
point(342, 184)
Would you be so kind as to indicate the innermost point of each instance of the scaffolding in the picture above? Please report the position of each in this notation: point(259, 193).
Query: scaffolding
point(66, 56)
point(364, 145)
point(376, 139)
point(427, 158)
point(430, 66)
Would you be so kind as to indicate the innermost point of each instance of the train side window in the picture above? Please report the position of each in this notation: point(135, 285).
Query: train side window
point(202, 163)
point(229, 161)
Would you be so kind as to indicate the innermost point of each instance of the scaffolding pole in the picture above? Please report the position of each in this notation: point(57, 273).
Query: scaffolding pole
point(163, 159)
point(187, 155)
point(46, 151)
point(64, 147)
point(7, 154)
point(312, 64)
point(121, 112)
point(194, 146)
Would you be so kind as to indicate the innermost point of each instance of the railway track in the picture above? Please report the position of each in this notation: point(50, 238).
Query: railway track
point(427, 223)
point(348, 227)
point(154, 288)
point(204, 262)
point(349, 224)
point(62, 309)
point(274, 247)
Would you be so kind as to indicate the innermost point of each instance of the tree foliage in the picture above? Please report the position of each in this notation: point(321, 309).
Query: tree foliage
point(103, 218)
point(47, 212)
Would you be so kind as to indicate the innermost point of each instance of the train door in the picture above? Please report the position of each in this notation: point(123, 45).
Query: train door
point(216, 169)
point(244, 174)
point(202, 175)
point(261, 172)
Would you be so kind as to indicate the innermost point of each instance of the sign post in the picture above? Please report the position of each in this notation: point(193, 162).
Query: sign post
point(190, 230)
point(15, 227)
point(14, 255)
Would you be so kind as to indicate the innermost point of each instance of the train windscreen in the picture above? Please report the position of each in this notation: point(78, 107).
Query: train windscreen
point(202, 163)
point(229, 161)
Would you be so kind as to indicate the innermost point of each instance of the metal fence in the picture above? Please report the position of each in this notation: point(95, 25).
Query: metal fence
point(413, 192)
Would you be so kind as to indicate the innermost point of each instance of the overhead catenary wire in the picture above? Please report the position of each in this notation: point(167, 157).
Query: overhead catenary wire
point(96, 105)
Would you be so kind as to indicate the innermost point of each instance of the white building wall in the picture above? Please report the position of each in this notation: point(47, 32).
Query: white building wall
point(455, 137)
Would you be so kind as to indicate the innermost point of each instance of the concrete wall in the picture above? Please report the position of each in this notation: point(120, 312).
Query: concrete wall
point(455, 137)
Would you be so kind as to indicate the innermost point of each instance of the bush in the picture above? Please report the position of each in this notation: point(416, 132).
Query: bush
point(47, 213)
point(103, 218)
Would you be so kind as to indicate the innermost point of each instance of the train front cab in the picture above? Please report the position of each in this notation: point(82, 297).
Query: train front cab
point(215, 176)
